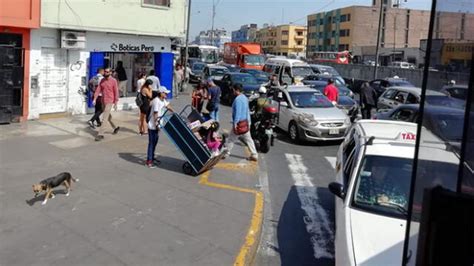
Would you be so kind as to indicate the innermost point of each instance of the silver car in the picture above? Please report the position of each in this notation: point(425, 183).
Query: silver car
point(395, 96)
point(306, 114)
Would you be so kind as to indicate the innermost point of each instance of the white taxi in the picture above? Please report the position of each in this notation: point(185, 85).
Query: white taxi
point(373, 177)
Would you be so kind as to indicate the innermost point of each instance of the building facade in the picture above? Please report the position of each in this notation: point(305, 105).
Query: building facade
point(17, 19)
point(75, 40)
point(246, 33)
point(286, 40)
point(215, 38)
point(355, 27)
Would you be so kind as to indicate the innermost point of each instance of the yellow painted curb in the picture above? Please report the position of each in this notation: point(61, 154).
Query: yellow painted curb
point(249, 249)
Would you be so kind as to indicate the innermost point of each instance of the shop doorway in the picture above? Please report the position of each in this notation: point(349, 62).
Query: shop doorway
point(134, 64)
point(11, 77)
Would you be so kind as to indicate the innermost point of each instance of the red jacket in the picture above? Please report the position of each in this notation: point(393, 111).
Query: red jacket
point(109, 89)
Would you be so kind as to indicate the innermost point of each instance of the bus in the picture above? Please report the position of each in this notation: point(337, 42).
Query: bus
point(202, 53)
point(332, 57)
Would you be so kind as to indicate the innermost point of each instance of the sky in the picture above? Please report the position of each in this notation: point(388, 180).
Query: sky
point(231, 14)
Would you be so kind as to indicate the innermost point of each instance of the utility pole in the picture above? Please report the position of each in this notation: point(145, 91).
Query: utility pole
point(378, 39)
point(185, 69)
point(213, 17)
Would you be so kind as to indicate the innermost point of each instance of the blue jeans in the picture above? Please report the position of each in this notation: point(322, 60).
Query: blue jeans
point(153, 137)
point(215, 114)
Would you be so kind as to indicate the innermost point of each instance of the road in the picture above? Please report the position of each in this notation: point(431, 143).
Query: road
point(299, 218)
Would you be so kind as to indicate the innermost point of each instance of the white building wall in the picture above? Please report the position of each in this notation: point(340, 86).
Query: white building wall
point(120, 16)
point(59, 76)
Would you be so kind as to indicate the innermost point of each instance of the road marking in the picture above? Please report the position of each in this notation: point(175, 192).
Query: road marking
point(248, 249)
point(332, 161)
point(316, 219)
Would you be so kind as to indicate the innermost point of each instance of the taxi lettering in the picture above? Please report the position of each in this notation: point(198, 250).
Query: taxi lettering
point(408, 136)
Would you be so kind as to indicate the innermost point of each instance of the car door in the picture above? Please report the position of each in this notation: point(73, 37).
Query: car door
point(400, 98)
point(385, 101)
point(285, 113)
point(286, 76)
point(403, 114)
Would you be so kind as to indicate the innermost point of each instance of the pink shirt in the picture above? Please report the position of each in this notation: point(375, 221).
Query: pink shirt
point(331, 92)
point(109, 89)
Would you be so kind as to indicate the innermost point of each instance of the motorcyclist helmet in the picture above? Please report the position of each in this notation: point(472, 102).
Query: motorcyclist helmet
point(262, 90)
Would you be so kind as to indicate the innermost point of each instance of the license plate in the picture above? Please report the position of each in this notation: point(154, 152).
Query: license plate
point(333, 131)
point(268, 131)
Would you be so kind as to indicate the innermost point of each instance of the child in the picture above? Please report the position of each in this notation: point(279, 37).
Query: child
point(213, 140)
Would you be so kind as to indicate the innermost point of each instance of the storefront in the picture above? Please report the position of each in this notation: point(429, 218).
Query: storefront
point(62, 67)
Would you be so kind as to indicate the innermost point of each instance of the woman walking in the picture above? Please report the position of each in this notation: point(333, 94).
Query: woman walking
point(146, 94)
point(199, 95)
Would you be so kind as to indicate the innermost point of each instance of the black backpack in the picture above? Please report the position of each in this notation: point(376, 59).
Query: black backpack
point(139, 99)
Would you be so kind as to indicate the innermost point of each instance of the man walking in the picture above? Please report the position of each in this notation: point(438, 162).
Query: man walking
point(368, 100)
point(331, 92)
point(241, 115)
point(109, 89)
point(99, 107)
point(156, 81)
point(214, 99)
point(122, 77)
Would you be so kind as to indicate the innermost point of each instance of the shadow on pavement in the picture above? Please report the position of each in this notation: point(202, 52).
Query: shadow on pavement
point(295, 243)
point(167, 163)
point(33, 200)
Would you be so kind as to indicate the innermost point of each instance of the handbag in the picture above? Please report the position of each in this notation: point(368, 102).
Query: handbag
point(242, 127)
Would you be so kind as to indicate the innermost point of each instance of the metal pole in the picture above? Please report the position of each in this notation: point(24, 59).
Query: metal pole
point(186, 53)
point(378, 40)
point(213, 16)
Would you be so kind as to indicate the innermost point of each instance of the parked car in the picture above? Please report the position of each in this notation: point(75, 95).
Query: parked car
point(319, 82)
point(306, 114)
point(395, 96)
point(445, 122)
point(456, 91)
point(261, 76)
point(380, 85)
point(196, 72)
point(400, 64)
point(249, 83)
point(214, 72)
point(328, 71)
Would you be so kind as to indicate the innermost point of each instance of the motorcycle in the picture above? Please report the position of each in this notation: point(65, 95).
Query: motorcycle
point(262, 128)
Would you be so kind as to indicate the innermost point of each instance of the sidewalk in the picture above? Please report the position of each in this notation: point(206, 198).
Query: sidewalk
point(120, 212)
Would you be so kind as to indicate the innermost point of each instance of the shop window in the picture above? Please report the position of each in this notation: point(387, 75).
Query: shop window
point(160, 3)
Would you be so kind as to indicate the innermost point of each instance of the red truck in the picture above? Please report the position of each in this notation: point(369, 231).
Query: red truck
point(244, 55)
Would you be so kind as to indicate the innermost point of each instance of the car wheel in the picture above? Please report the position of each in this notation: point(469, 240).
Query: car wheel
point(293, 132)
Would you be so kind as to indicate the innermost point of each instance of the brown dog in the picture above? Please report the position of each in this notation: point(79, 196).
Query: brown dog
point(49, 183)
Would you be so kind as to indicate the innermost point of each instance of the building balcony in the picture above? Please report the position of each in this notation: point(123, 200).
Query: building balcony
point(299, 37)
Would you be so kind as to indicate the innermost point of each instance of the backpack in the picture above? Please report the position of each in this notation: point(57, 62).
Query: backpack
point(139, 99)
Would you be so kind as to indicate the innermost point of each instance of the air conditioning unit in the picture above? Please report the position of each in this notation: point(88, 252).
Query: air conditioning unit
point(73, 39)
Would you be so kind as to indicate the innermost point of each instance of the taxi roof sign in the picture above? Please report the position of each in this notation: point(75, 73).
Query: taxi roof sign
point(407, 136)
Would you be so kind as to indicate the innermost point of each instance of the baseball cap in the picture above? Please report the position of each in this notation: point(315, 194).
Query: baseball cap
point(163, 89)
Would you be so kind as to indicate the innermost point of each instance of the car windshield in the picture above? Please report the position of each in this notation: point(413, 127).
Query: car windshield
point(383, 185)
point(448, 126)
point(218, 71)
point(328, 70)
point(302, 71)
point(209, 56)
point(308, 99)
point(245, 79)
point(401, 83)
point(254, 60)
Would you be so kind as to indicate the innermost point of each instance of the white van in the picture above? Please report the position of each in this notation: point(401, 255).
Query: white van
point(287, 69)
point(405, 65)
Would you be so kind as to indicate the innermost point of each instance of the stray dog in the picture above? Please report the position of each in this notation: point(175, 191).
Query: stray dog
point(49, 183)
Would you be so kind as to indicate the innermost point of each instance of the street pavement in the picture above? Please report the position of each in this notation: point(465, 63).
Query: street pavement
point(121, 212)
point(299, 215)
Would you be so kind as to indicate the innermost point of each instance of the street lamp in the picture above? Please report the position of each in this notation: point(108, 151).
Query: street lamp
point(186, 55)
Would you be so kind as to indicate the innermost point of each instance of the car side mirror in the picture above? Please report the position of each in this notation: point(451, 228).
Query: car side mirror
point(337, 189)
point(283, 103)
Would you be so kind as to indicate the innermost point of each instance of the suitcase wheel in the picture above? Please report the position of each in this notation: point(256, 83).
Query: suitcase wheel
point(188, 169)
